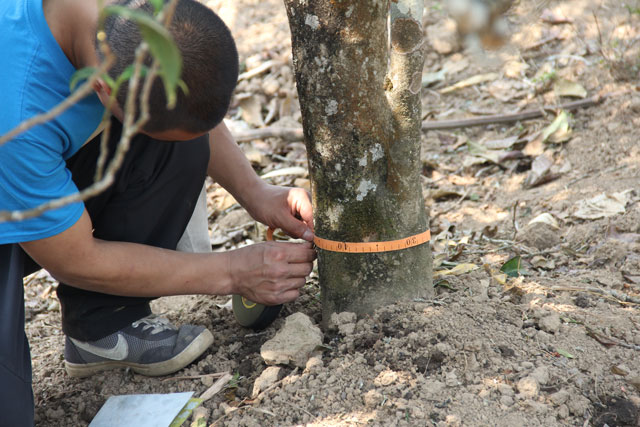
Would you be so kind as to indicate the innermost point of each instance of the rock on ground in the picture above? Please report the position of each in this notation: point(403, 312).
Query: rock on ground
point(267, 378)
point(293, 343)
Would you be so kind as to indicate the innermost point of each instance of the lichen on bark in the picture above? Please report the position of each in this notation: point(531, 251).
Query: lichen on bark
point(361, 116)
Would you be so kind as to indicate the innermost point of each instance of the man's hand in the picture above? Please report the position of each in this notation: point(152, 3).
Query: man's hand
point(286, 208)
point(270, 273)
point(279, 207)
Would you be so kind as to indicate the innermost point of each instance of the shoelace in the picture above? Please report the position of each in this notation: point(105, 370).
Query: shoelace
point(156, 323)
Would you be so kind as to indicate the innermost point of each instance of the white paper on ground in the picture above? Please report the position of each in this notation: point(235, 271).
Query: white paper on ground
point(141, 410)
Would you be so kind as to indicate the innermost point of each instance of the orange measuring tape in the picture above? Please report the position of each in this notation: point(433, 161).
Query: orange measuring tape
point(372, 247)
point(367, 247)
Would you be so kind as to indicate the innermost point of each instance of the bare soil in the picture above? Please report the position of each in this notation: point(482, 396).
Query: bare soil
point(557, 345)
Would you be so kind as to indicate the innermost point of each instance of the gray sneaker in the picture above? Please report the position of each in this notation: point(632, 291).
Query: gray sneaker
point(150, 346)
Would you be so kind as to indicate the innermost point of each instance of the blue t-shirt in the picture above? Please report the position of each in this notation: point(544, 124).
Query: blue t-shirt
point(35, 78)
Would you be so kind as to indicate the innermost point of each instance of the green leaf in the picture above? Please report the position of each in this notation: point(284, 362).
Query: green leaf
point(233, 382)
point(163, 48)
point(565, 354)
point(570, 320)
point(513, 267)
point(81, 74)
point(157, 6)
point(182, 85)
point(323, 347)
point(126, 75)
point(109, 81)
point(185, 413)
point(444, 284)
point(558, 130)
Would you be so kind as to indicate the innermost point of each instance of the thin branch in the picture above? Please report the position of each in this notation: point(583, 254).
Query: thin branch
point(195, 377)
point(609, 341)
point(216, 387)
point(130, 106)
point(105, 135)
point(288, 134)
point(300, 409)
point(265, 66)
point(611, 294)
point(264, 393)
point(104, 140)
point(166, 15)
point(129, 129)
point(104, 47)
point(511, 118)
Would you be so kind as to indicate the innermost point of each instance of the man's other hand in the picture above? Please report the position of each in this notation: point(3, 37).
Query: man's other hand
point(286, 208)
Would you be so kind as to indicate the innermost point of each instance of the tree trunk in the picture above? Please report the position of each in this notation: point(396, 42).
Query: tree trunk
point(361, 118)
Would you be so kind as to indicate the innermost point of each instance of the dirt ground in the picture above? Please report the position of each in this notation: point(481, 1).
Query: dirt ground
point(557, 345)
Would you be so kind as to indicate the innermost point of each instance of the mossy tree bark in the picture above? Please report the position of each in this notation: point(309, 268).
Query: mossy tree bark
point(361, 115)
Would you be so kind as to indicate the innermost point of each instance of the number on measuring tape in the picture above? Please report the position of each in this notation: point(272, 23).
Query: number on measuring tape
point(364, 247)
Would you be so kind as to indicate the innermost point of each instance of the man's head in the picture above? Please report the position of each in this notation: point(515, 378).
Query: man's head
point(210, 67)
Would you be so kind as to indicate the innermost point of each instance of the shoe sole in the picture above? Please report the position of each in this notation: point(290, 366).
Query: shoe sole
point(198, 346)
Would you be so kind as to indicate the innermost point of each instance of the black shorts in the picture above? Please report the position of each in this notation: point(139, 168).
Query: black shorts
point(16, 397)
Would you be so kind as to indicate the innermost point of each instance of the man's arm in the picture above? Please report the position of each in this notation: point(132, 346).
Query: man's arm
point(278, 207)
point(229, 167)
point(268, 273)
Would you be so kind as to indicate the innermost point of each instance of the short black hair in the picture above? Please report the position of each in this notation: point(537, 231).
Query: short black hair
point(210, 66)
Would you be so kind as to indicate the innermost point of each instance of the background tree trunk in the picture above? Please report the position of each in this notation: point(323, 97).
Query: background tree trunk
point(361, 117)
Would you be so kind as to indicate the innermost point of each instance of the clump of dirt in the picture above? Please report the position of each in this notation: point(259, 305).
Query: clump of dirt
point(557, 345)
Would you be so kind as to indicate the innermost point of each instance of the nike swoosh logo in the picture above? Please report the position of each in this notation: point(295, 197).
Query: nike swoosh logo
point(119, 352)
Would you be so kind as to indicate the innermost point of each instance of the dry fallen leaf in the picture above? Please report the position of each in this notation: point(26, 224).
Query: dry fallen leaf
point(603, 205)
point(254, 155)
point(553, 18)
point(223, 200)
point(455, 64)
point(614, 233)
point(540, 168)
point(564, 87)
point(218, 238)
point(287, 106)
point(535, 146)
point(635, 382)
point(545, 218)
point(302, 183)
point(498, 144)
point(455, 271)
point(497, 275)
point(503, 90)
point(619, 370)
point(294, 170)
point(515, 69)
point(539, 261)
point(251, 111)
point(478, 151)
point(471, 81)
point(442, 194)
point(541, 165)
point(433, 78)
